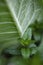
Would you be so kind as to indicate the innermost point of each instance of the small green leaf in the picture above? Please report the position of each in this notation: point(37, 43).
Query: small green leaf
point(27, 34)
point(37, 36)
point(26, 42)
point(13, 49)
point(25, 52)
point(33, 48)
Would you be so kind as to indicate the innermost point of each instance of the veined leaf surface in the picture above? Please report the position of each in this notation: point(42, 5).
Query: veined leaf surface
point(8, 31)
point(24, 12)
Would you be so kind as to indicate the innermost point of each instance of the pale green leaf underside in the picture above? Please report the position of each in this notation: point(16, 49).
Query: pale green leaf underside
point(24, 12)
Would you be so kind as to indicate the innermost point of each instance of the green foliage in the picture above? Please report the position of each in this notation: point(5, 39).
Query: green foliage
point(18, 60)
point(25, 53)
point(21, 32)
point(36, 60)
point(3, 61)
